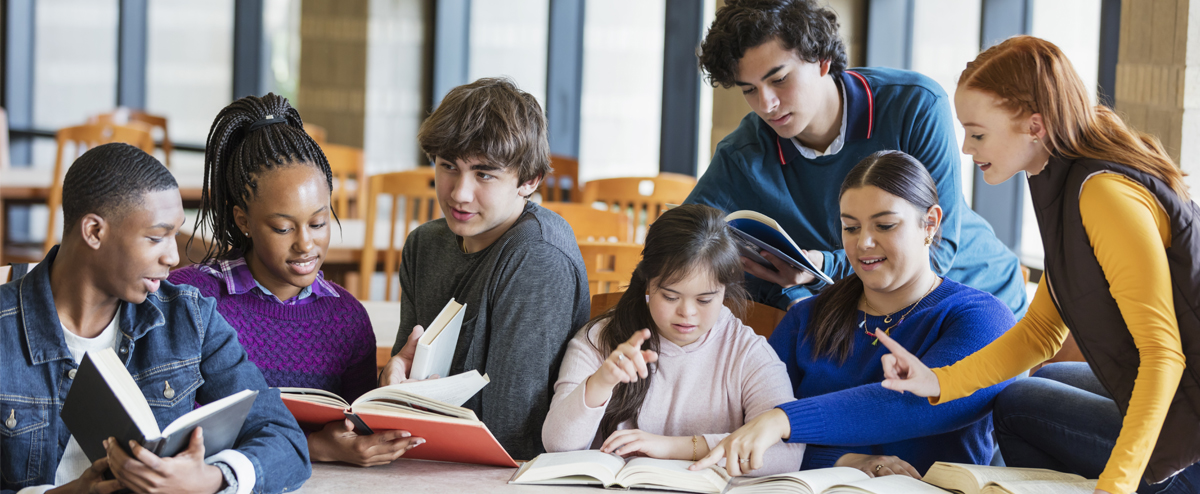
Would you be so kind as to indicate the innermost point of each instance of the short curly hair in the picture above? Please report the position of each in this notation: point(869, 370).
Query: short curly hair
point(799, 25)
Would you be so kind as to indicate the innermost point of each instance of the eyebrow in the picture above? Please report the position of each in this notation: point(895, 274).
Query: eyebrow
point(485, 167)
point(765, 77)
point(314, 213)
point(167, 226)
point(714, 292)
point(971, 124)
point(876, 215)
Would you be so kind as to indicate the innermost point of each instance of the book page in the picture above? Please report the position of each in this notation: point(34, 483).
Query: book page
point(1040, 487)
point(565, 467)
point(987, 474)
point(454, 390)
point(671, 474)
point(813, 481)
point(888, 484)
point(313, 395)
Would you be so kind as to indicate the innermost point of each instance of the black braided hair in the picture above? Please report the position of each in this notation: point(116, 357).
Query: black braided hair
point(235, 157)
point(108, 180)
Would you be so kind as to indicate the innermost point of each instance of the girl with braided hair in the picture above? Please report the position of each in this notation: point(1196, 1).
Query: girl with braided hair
point(266, 205)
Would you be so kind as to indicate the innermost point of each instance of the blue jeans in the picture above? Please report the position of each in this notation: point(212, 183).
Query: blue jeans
point(1062, 419)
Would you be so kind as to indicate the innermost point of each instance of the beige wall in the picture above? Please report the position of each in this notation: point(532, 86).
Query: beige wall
point(333, 67)
point(728, 105)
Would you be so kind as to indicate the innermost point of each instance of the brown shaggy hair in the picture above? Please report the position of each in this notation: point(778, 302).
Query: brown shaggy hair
point(491, 120)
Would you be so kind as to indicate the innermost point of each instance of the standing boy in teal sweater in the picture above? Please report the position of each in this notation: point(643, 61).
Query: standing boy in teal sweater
point(813, 120)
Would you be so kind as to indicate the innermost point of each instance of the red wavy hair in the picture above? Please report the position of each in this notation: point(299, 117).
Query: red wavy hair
point(1031, 75)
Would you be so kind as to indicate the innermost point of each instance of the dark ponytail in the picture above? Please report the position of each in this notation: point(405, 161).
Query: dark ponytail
point(833, 323)
point(249, 136)
point(687, 239)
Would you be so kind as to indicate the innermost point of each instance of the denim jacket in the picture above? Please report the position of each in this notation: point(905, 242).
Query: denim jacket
point(176, 336)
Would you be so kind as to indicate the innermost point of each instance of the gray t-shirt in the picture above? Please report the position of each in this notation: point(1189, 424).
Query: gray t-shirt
point(526, 295)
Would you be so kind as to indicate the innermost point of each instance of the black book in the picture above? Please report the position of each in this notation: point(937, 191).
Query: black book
point(105, 401)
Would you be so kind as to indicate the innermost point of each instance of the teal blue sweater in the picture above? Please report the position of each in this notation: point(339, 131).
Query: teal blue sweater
point(753, 168)
point(842, 408)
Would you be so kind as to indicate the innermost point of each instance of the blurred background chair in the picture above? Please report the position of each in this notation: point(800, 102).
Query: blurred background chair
point(414, 202)
point(561, 184)
point(591, 224)
point(137, 118)
point(349, 176)
point(82, 138)
point(609, 265)
point(644, 199)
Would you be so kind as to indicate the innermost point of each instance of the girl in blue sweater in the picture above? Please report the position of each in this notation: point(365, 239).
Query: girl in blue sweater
point(890, 219)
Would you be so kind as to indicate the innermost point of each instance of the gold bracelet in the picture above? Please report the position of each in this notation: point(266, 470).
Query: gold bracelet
point(694, 440)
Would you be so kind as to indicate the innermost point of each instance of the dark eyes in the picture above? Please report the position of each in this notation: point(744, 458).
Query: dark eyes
point(977, 137)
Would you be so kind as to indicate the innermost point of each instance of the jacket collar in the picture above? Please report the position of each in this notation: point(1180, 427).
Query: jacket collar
point(43, 330)
point(860, 115)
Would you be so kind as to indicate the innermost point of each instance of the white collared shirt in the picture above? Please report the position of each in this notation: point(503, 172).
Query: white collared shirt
point(836, 145)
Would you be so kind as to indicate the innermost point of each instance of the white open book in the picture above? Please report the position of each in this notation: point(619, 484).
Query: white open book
point(435, 348)
point(611, 471)
point(976, 479)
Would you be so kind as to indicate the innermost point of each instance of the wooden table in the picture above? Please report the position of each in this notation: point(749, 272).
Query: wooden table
point(418, 477)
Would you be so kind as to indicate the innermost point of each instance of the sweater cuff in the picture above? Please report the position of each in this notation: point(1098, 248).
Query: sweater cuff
point(806, 420)
point(796, 293)
point(821, 457)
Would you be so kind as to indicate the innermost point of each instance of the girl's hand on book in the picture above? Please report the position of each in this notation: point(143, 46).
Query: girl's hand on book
point(744, 449)
point(878, 465)
point(146, 473)
point(635, 442)
point(626, 364)
point(396, 370)
point(91, 482)
point(903, 371)
point(784, 274)
point(337, 441)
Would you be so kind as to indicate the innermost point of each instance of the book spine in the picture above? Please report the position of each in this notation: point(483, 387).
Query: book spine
point(421, 362)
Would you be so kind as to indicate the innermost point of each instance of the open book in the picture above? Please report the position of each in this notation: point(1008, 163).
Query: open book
point(105, 401)
point(611, 471)
point(427, 409)
point(757, 232)
point(435, 348)
point(836, 480)
point(975, 479)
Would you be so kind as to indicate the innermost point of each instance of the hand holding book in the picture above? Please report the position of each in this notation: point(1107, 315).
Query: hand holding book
point(784, 274)
point(396, 370)
point(337, 441)
point(146, 472)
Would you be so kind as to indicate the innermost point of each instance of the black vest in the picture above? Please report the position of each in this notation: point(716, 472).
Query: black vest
point(1082, 295)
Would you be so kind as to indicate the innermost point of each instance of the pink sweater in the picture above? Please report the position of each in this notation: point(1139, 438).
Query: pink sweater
point(710, 387)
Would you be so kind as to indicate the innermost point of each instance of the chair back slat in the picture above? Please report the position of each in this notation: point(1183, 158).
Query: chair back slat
point(643, 199)
point(409, 190)
point(591, 224)
point(561, 184)
point(346, 165)
point(609, 265)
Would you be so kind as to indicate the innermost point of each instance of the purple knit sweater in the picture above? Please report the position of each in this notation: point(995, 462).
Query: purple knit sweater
point(326, 344)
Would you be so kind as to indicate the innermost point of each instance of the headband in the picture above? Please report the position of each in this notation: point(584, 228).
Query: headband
point(265, 122)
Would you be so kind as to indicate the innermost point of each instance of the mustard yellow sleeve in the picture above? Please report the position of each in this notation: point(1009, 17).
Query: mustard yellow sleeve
point(1129, 232)
point(1033, 340)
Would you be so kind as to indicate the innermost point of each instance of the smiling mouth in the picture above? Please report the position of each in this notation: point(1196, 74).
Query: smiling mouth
point(871, 262)
point(303, 263)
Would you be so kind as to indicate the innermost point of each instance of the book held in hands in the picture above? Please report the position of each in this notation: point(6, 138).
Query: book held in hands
point(756, 232)
point(435, 348)
point(429, 409)
point(105, 401)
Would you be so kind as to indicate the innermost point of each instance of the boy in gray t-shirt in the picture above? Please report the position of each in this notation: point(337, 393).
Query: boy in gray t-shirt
point(514, 264)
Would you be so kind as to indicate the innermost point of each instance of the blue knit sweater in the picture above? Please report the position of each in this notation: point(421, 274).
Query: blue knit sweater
point(844, 409)
point(753, 168)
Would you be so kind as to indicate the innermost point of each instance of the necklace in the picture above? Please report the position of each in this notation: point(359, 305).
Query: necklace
point(888, 318)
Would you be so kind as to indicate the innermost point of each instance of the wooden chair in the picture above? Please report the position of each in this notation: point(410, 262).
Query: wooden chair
point(609, 265)
point(591, 224)
point(562, 184)
point(85, 137)
point(762, 318)
point(132, 117)
point(644, 199)
point(318, 134)
point(411, 190)
point(346, 163)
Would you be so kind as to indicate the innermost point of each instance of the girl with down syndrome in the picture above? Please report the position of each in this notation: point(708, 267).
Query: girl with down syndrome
point(670, 370)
